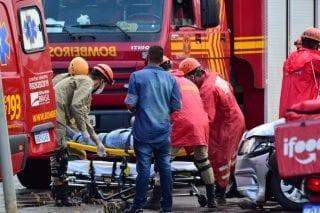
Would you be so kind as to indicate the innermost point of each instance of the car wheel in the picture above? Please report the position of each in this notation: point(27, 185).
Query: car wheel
point(287, 195)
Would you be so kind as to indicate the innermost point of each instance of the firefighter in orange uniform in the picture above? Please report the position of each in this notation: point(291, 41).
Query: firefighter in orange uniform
point(190, 128)
point(301, 72)
point(226, 121)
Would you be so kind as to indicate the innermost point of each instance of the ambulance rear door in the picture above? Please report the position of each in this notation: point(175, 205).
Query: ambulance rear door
point(12, 85)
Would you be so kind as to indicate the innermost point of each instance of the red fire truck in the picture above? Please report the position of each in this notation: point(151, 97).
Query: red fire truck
point(119, 32)
point(228, 36)
point(29, 97)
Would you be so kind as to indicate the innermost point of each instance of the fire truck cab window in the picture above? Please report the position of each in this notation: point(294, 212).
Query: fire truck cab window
point(182, 12)
point(130, 15)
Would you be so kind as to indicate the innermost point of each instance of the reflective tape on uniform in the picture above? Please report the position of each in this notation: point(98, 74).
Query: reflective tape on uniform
point(233, 162)
point(225, 176)
point(222, 168)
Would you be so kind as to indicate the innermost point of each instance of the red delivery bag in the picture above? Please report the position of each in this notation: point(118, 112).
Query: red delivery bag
point(298, 148)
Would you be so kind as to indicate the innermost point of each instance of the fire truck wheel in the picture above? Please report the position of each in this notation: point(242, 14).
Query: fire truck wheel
point(36, 174)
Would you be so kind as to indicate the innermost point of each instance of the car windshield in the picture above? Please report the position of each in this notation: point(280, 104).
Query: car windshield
point(130, 16)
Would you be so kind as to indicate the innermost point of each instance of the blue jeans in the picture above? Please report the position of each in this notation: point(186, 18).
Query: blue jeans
point(162, 156)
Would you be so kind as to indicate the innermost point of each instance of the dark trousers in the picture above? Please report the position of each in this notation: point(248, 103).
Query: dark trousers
point(162, 156)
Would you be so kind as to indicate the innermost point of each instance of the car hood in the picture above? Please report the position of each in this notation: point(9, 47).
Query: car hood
point(264, 130)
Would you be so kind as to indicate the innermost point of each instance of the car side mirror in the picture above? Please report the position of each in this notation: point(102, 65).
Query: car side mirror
point(210, 13)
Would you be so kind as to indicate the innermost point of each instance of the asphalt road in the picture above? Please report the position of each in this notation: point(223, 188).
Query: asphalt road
point(181, 204)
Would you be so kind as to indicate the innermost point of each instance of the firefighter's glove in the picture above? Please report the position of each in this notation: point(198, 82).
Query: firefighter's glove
point(101, 151)
point(70, 132)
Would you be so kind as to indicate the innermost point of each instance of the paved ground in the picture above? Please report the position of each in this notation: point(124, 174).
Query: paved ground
point(181, 204)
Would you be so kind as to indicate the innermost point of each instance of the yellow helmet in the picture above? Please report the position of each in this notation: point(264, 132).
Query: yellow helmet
point(78, 66)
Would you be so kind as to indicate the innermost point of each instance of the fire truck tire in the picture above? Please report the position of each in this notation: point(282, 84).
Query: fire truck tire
point(36, 174)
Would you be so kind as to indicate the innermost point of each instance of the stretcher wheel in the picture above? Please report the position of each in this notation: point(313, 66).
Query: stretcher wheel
point(86, 198)
point(191, 192)
point(113, 207)
point(202, 200)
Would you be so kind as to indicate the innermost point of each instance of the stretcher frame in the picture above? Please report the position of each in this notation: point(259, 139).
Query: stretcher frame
point(112, 152)
point(126, 185)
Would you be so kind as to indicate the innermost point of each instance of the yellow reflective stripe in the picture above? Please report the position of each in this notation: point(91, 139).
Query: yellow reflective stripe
point(248, 45)
point(113, 152)
point(240, 38)
point(196, 45)
point(213, 48)
point(248, 52)
point(221, 61)
point(176, 46)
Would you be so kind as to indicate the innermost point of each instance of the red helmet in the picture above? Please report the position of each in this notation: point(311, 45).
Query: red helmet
point(188, 65)
point(106, 71)
point(312, 33)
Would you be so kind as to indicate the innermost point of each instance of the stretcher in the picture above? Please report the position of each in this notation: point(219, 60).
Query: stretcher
point(113, 180)
point(111, 152)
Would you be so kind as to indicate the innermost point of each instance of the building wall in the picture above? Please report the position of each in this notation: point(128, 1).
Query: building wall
point(318, 13)
point(276, 44)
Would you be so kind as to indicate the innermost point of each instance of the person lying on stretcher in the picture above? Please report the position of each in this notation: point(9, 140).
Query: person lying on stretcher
point(117, 139)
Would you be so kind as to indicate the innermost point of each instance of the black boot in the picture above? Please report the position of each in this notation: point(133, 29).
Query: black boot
point(220, 194)
point(211, 196)
point(246, 203)
point(60, 195)
point(154, 202)
point(133, 210)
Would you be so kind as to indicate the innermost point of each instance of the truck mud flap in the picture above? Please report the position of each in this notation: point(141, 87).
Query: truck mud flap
point(19, 150)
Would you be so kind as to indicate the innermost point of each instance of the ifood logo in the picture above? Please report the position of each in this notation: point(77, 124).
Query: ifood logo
point(294, 147)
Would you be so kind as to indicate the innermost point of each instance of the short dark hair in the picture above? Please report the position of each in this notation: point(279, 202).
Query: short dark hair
point(155, 54)
point(309, 43)
point(96, 75)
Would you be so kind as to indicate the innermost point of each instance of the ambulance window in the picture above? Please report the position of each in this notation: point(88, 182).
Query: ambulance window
point(183, 12)
point(32, 30)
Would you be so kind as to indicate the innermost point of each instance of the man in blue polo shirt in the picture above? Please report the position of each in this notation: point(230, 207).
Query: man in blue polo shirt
point(153, 95)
